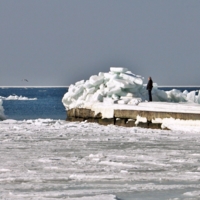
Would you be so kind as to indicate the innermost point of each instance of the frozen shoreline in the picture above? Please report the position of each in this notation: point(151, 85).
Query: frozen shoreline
point(44, 159)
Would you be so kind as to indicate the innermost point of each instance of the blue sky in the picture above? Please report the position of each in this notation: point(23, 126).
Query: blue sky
point(54, 43)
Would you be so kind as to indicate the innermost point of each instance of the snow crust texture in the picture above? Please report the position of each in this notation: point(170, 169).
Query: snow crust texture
point(120, 86)
point(47, 159)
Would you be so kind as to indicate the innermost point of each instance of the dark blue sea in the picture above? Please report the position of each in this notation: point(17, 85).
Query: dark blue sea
point(48, 104)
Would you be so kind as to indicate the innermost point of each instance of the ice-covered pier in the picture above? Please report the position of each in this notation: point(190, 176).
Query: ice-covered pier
point(146, 114)
point(120, 97)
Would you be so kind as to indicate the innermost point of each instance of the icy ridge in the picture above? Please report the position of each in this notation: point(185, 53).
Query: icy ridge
point(120, 86)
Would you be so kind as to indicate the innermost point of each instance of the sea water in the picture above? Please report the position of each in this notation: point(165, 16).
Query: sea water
point(47, 103)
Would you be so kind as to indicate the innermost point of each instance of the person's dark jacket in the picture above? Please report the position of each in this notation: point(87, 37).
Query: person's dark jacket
point(150, 85)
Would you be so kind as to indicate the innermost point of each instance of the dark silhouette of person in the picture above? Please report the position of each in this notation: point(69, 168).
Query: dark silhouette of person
point(149, 88)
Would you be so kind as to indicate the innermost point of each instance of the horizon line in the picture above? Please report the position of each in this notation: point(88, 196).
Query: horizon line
point(30, 86)
point(68, 86)
point(178, 86)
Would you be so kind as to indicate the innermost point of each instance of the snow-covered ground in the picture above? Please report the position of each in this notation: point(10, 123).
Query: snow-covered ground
point(46, 159)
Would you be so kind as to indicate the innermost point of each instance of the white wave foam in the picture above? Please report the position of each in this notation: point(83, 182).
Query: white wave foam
point(15, 97)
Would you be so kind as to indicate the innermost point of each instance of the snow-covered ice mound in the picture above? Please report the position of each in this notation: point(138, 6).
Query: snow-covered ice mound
point(120, 86)
point(2, 116)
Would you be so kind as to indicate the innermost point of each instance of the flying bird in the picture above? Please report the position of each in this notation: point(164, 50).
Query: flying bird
point(25, 80)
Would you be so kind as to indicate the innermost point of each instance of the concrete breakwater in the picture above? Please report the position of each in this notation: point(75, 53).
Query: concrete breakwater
point(129, 118)
point(119, 97)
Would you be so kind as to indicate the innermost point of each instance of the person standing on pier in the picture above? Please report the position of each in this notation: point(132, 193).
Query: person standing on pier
point(149, 88)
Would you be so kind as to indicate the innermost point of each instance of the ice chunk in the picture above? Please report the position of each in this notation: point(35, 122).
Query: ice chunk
point(176, 95)
point(79, 83)
point(88, 98)
point(118, 69)
point(97, 97)
point(110, 76)
point(83, 96)
point(132, 78)
point(77, 92)
point(102, 87)
point(120, 83)
point(191, 96)
point(160, 95)
point(198, 98)
point(107, 100)
point(124, 100)
point(140, 119)
point(66, 101)
point(129, 94)
point(91, 90)
point(101, 74)
point(96, 80)
point(115, 97)
point(135, 101)
point(110, 84)
point(116, 91)
point(87, 84)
